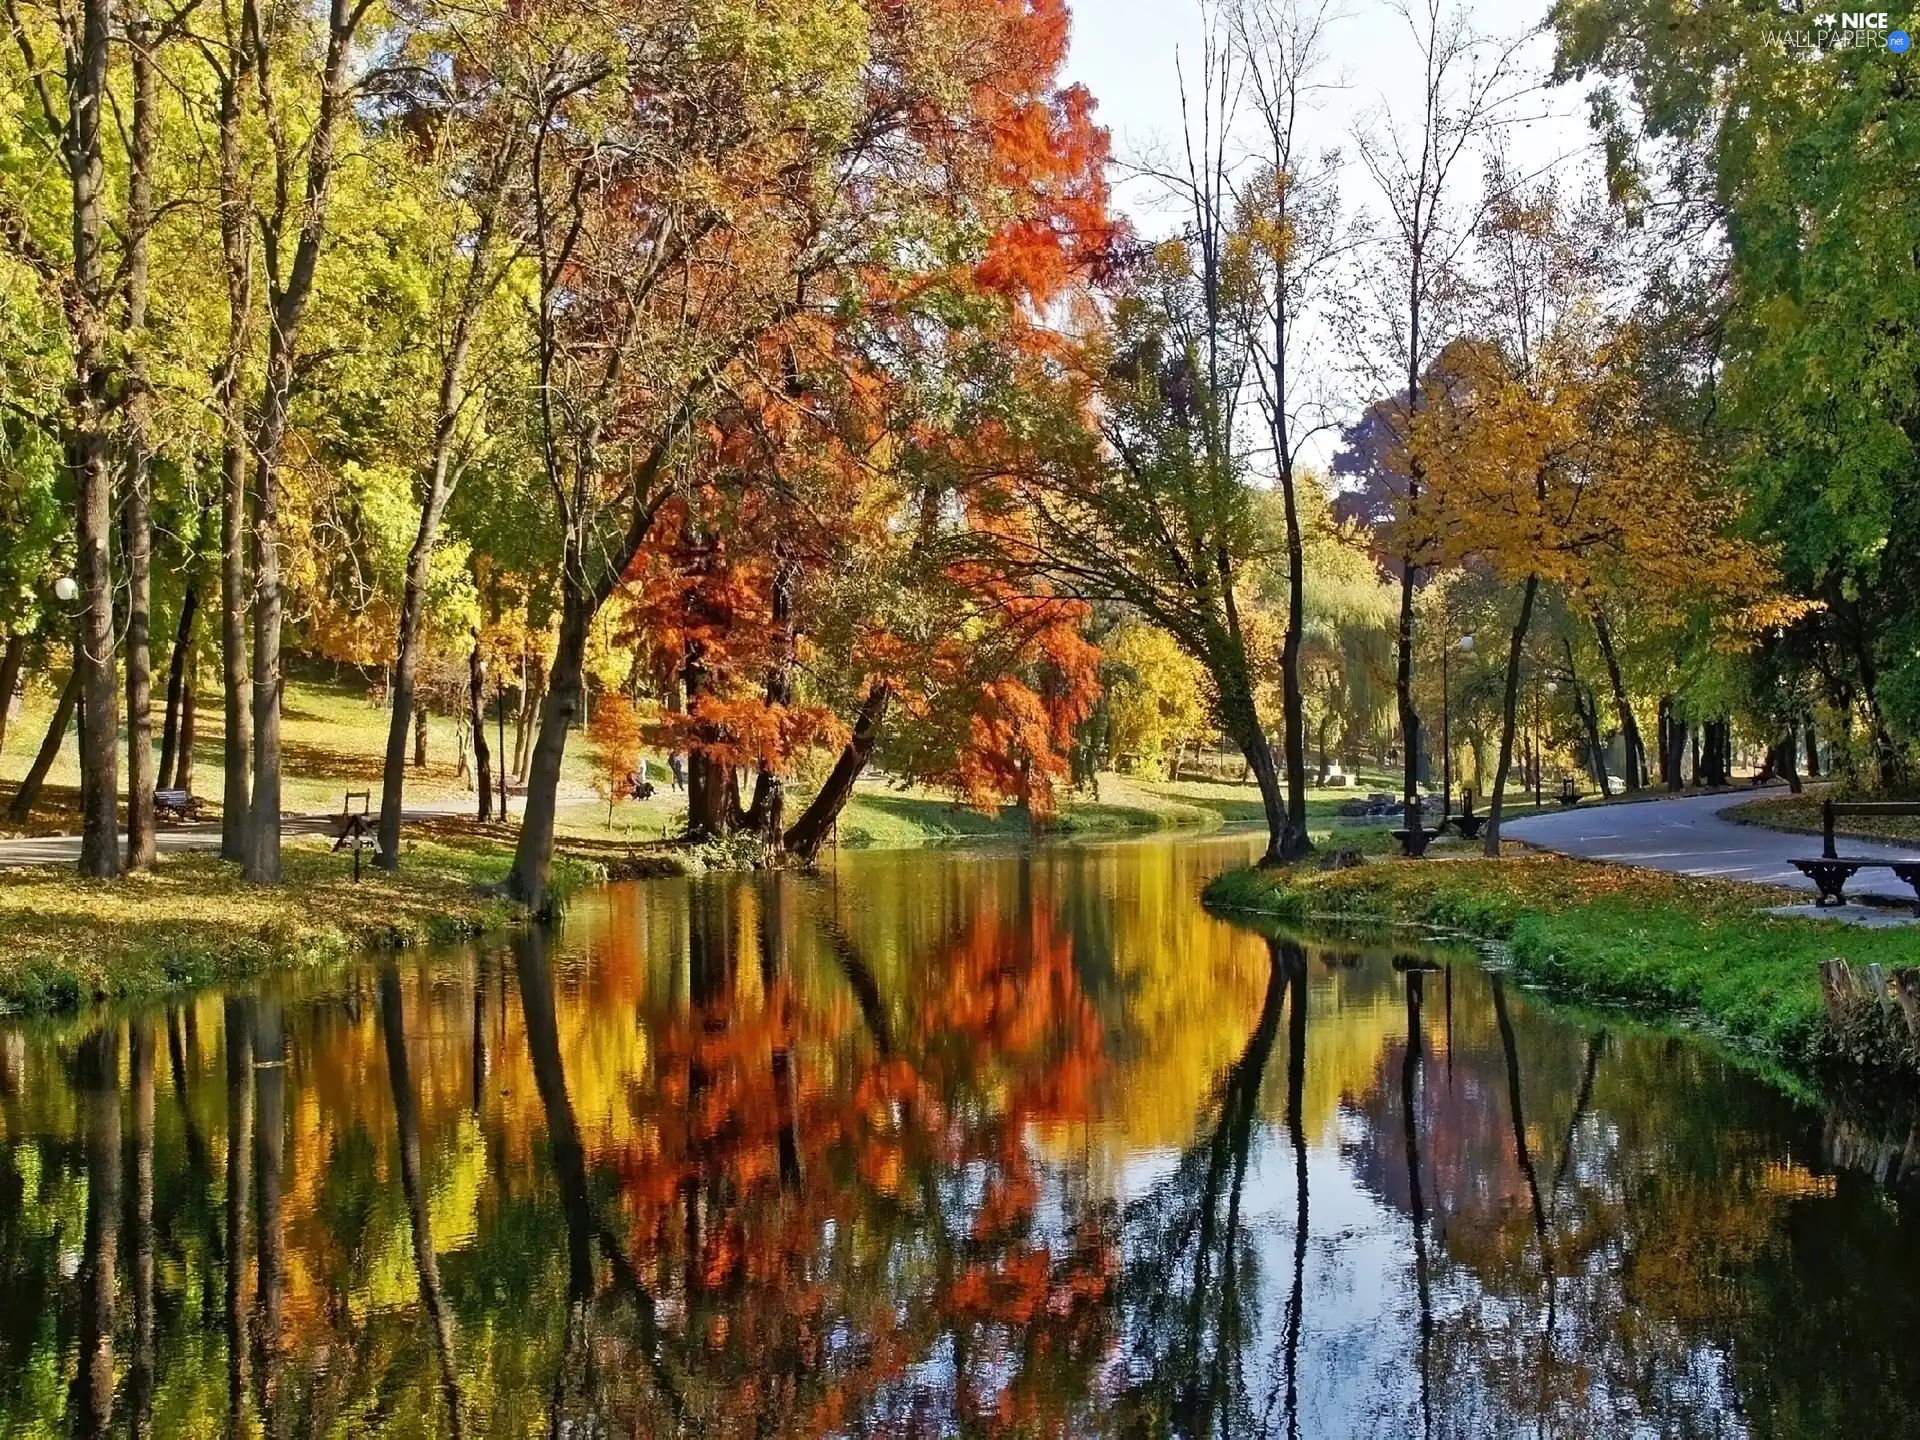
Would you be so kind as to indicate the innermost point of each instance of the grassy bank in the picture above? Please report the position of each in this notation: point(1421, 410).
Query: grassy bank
point(1701, 949)
point(192, 922)
point(1801, 815)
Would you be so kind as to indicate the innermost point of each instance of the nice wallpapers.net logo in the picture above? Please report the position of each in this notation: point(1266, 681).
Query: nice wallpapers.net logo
point(1843, 30)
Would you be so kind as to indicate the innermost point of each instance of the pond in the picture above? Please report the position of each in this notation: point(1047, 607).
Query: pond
point(933, 1143)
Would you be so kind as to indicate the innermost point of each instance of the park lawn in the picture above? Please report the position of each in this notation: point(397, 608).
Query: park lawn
point(332, 742)
point(1801, 814)
point(1688, 948)
point(191, 921)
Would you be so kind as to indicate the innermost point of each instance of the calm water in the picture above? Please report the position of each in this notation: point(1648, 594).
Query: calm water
point(937, 1145)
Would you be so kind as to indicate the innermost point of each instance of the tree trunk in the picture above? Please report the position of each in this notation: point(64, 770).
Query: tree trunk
point(29, 791)
point(766, 815)
point(1241, 720)
point(287, 307)
point(1509, 719)
point(477, 713)
point(441, 479)
point(1813, 752)
point(1664, 730)
point(176, 683)
point(1403, 691)
point(10, 663)
point(1295, 843)
point(806, 835)
point(189, 726)
point(236, 248)
point(533, 855)
point(1586, 705)
point(1634, 750)
point(419, 735)
point(90, 412)
point(1678, 732)
point(138, 407)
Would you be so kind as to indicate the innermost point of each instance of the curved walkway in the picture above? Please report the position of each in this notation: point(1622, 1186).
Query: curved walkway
point(1687, 836)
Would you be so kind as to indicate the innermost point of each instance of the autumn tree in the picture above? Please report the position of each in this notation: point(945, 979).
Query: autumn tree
point(1289, 236)
point(1415, 155)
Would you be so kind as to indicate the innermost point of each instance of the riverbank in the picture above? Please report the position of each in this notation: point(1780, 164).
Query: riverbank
point(191, 921)
point(1689, 948)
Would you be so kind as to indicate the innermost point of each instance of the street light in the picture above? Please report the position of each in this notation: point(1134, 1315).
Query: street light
point(65, 589)
point(1465, 647)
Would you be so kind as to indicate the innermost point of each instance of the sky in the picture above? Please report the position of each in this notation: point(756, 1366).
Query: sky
point(1126, 52)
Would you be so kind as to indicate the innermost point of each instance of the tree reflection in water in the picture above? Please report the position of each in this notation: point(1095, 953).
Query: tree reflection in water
point(969, 1146)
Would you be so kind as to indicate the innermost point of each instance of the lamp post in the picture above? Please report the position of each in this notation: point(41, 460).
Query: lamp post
point(1465, 647)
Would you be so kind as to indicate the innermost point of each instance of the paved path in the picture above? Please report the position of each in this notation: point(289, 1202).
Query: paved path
point(199, 835)
point(1688, 836)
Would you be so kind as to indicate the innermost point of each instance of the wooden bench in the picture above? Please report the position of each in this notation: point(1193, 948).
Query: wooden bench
point(175, 806)
point(1466, 822)
point(1569, 793)
point(1831, 872)
point(353, 830)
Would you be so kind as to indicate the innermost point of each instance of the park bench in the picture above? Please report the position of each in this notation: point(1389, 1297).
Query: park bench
point(1831, 872)
point(175, 806)
point(353, 829)
point(1569, 793)
point(1466, 822)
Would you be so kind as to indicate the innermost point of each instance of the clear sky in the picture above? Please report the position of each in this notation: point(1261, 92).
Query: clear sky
point(1124, 51)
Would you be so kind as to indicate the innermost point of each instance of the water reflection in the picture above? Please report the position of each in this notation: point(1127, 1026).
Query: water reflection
point(934, 1145)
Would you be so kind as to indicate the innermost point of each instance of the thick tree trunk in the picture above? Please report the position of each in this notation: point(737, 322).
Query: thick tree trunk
point(138, 515)
point(1630, 743)
point(477, 715)
point(713, 802)
point(807, 834)
point(1241, 720)
point(1813, 752)
point(236, 247)
point(533, 855)
point(1678, 732)
point(262, 862)
point(36, 776)
point(419, 735)
point(11, 661)
point(88, 445)
point(1509, 719)
point(176, 682)
point(766, 815)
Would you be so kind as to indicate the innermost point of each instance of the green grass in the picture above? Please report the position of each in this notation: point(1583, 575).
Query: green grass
point(192, 921)
point(1678, 946)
